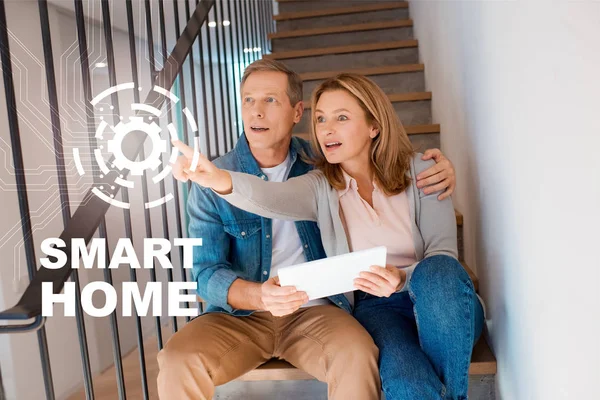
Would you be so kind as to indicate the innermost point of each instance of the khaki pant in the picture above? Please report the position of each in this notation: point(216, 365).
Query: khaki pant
point(324, 341)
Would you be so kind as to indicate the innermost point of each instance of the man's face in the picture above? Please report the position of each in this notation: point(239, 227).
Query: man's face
point(267, 112)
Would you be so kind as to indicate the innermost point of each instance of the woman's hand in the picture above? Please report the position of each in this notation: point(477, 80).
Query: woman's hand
point(381, 282)
point(204, 174)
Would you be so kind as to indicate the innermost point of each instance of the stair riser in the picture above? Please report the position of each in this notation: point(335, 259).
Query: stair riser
point(331, 62)
point(390, 83)
point(482, 387)
point(345, 19)
point(311, 5)
point(342, 39)
point(410, 113)
point(424, 141)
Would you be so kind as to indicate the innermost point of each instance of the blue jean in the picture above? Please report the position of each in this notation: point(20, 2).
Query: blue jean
point(426, 334)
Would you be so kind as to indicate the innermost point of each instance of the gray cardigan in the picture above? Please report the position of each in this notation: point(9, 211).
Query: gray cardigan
point(310, 197)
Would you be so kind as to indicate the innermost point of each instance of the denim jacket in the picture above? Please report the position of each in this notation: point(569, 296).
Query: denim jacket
point(238, 244)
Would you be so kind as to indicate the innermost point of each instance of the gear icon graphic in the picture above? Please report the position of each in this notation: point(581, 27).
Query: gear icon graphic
point(152, 161)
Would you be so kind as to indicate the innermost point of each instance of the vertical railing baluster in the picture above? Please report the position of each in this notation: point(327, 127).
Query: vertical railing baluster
point(168, 105)
point(224, 112)
point(226, 89)
point(15, 141)
point(186, 141)
point(241, 33)
point(247, 23)
point(212, 88)
point(204, 97)
point(262, 25)
point(240, 43)
point(253, 16)
point(63, 188)
point(150, 42)
point(132, 271)
point(112, 77)
point(235, 126)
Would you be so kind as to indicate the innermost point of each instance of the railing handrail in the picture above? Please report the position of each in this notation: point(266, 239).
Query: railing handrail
point(87, 217)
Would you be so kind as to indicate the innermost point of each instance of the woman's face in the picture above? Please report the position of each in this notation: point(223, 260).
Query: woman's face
point(342, 128)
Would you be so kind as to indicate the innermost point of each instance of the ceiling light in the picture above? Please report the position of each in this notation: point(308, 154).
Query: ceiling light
point(100, 65)
point(212, 24)
point(256, 49)
point(226, 23)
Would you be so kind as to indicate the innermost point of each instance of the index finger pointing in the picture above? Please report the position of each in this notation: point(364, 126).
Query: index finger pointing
point(183, 148)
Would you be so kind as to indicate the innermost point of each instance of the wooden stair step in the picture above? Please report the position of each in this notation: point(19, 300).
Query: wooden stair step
point(471, 275)
point(397, 44)
point(396, 97)
point(483, 362)
point(341, 10)
point(390, 69)
point(341, 29)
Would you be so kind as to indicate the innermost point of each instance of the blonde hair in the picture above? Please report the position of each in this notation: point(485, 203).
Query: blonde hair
point(391, 150)
point(294, 89)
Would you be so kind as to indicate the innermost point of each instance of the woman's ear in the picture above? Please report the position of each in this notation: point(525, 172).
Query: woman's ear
point(374, 132)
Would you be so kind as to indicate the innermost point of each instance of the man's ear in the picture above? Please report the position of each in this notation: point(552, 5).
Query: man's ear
point(298, 111)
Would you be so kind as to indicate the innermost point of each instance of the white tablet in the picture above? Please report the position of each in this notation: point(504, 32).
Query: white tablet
point(333, 275)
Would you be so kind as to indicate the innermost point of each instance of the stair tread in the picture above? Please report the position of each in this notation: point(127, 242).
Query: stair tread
point(397, 97)
point(342, 29)
point(369, 71)
point(355, 48)
point(483, 362)
point(341, 10)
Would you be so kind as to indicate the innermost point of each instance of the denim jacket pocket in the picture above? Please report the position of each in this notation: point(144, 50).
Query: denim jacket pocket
point(245, 250)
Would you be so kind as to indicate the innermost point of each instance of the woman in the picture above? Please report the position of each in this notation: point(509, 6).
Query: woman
point(421, 308)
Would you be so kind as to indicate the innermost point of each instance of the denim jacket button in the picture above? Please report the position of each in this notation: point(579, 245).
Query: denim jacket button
point(339, 303)
point(243, 233)
point(306, 246)
point(268, 236)
point(265, 272)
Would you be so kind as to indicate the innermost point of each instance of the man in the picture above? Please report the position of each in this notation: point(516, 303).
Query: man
point(250, 318)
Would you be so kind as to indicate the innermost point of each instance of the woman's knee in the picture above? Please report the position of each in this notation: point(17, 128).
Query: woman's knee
point(440, 271)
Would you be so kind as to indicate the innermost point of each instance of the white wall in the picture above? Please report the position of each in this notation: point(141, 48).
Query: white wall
point(515, 87)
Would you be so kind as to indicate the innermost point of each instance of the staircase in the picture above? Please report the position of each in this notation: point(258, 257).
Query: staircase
point(320, 39)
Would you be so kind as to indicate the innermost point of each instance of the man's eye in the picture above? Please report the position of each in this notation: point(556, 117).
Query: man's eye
point(247, 99)
point(270, 100)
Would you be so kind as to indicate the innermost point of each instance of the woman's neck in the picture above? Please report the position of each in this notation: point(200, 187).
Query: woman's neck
point(360, 170)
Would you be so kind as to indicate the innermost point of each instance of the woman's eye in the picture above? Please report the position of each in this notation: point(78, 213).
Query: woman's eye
point(320, 119)
point(342, 118)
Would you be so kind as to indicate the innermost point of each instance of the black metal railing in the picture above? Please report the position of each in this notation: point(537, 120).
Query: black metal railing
point(229, 35)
